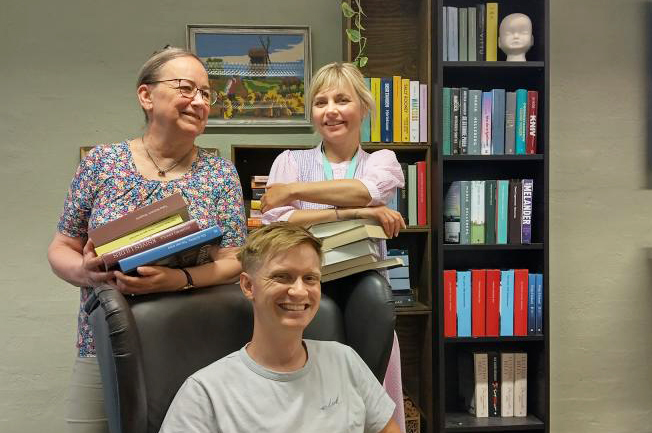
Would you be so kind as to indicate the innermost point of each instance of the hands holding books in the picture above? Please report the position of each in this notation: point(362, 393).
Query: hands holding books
point(150, 279)
point(391, 220)
point(92, 267)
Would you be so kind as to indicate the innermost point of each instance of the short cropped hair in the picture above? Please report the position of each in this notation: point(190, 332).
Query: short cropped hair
point(273, 239)
point(336, 75)
point(151, 70)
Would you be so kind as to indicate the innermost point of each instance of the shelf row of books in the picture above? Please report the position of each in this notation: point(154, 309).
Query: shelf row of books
point(493, 303)
point(470, 33)
point(494, 122)
point(411, 201)
point(400, 113)
point(160, 233)
point(497, 385)
point(255, 217)
point(399, 279)
point(489, 212)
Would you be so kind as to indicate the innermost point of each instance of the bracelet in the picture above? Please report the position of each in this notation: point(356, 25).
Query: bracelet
point(337, 215)
point(189, 282)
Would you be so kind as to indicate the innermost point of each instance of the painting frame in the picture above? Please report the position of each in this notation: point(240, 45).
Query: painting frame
point(261, 73)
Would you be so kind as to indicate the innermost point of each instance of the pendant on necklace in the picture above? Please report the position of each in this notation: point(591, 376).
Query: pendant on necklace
point(161, 173)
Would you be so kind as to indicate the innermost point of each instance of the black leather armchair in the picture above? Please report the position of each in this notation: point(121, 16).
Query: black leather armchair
point(148, 345)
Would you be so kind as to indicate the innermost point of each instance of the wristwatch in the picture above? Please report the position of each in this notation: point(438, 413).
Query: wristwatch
point(189, 283)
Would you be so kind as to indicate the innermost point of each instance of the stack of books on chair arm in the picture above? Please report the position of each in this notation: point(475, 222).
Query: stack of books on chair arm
point(160, 233)
point(350, 247)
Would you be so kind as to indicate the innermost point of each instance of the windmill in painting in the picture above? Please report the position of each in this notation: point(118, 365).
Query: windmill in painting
point(259, 77)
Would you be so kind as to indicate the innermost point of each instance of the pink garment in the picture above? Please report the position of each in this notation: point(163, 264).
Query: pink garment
point(381, 174)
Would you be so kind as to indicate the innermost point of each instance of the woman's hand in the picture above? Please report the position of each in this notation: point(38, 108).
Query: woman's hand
point(92, 267)
point(391, 220)
point(276, 195)
point(151, 279)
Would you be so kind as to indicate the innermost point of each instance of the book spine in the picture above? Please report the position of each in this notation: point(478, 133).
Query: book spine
point(403, 193)
point(531, 304)
point(527, 191)
point(492, 327)
point(422, 202)
point(464, 121)
point(446, 121)
point(514, 213)
point(455, 120)
point(396, 108)
point(405, 110)
point(412, 195)
point(502, 211)
point(492, 32)
point(465, 212)
point(464, 303)
point(478, 309)
point(386, 122)
point(414, 111)
point(463, 34)
point(485, 137)
point(444, 24)
point(520, 121)
point(490, 211)
point(472, 37)
point(520, 384)
point(450, 303)
point(393, 202)
point(520, 301)
point(481, 32)
point(260, 178)
point(510, 117)
point(423, 113)
point(453, 53)
point(539, 301)
point(375, 121)
point(507, 303)
point(139, 234)
point(498, 121)
point(494, 383)
point(477, 211)
point(365, 129)
point(452, 214)
point(532, 108)
point(475, 117)
point(507, 384)
point(111, 259)
point(480, 370)
point(257, 193)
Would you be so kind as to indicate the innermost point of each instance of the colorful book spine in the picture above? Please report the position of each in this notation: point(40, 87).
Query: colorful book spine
point(465, 212)
point(464, 303)
point(464, 121)
point(520, 121)
point(520, 301)
point(423, 113)
point(510, 116)
point(492, 32)
point(365, 128)
point(452, 214)
point(492, 327)
point(414, 111)
point(490, 211)
point(387, 116)
point(527, 192)
point(450, 303)
point(422, 201)
point(494, 383)
point(531, 304)
point(532, 108)
point(139, 234)
point(455, 120)
point(507, 303)
point(375, 121)
point(507, 384)
point(405, 110)
point(498, 121)
point(472, 37)
point(502, 195)
point(477, 211)
point(463, 34)
point(475, 118)
point(479, 299)
point(539, 301)
point(412, 195)
point(397, 96)
point(485, 137)
point(446, 121)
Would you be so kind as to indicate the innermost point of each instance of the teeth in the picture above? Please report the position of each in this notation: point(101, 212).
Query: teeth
point(293, 307)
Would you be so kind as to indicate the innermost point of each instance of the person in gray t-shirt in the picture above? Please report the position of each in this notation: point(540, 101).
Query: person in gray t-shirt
point(280, 382)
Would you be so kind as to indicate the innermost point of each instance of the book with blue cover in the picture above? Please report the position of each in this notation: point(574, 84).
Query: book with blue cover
point(387, 115)
point(191, 250)
point(502, 196)
point(507, 303)
point(531, 304)
point(498, 122)
point(539, 306)
point(520, 122)
point(464, 303)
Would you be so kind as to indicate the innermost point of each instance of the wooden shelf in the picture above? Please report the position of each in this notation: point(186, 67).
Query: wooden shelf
point(467, 340)
point(416, 229)
point(490, 158)
point(492, 247)
point(464, 422)
point(396, 146)
point(500, 64)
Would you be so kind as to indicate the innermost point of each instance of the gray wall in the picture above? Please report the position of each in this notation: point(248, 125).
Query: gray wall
point(67, 79)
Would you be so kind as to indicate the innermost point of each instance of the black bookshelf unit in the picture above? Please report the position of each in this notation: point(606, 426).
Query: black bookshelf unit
point(449, 412)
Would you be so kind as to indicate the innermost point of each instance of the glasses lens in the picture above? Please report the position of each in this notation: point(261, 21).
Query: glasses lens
point(187, 88)
point(213, 97)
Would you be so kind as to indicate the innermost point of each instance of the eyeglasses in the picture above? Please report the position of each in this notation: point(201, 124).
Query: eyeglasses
point(188, 89)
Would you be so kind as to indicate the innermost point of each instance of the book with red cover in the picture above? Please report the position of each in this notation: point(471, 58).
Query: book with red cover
point(139, 218)
point(478, 305)
point(422, 201)
point(493, 303)
point(111, 259)
point(450, 303)
point(532, 108)
point(520, 301)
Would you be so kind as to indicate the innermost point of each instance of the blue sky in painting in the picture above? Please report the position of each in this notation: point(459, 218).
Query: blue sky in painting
point(234, 47)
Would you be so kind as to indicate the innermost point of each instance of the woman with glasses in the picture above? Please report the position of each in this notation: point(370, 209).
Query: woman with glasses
point(113, 179)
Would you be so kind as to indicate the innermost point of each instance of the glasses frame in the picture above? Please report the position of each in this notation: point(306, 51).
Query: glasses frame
point(212, 94)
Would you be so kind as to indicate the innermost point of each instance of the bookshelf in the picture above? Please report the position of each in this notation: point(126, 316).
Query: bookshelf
point(449, 412)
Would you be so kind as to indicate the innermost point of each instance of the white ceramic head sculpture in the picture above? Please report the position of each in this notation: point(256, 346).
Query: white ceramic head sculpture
point(515, 36)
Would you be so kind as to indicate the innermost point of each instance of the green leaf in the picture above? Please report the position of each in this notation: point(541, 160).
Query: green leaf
point(363, 61)
point(346, 10)
point(353, 35)
point(356, 63)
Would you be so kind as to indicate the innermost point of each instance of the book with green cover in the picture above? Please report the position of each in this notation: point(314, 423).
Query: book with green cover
point(490, 212)
point(472, 54)
point(412, 195)
point(463, 34)
point(446, 121)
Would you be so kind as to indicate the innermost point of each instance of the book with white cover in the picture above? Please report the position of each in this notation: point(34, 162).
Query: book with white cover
point(388, 263)
point(506, 384)
point(350, 251)
point(351, 263)
point(520, 384)
point(331, 228)
point(350, 236)
point(480, 370)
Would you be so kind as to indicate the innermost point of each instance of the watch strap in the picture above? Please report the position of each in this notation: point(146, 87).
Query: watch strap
point(189, 282)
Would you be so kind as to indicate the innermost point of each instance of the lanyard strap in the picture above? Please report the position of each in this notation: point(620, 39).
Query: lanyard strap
point(328, 170)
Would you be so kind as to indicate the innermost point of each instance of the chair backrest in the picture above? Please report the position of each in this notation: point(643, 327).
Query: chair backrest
point(148, 345)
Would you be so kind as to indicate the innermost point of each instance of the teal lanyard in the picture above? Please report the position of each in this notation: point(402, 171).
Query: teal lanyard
point(328, 170)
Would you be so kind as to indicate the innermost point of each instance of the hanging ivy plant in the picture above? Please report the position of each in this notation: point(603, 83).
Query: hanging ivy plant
point(355, 34)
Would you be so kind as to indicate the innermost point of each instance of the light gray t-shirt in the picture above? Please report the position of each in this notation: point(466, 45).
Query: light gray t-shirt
point(334, 392)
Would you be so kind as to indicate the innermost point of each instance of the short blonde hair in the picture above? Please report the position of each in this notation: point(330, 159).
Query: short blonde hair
point(273, 239)
point(336, 75)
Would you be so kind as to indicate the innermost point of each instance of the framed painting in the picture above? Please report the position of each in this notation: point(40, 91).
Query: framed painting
point(260, 73)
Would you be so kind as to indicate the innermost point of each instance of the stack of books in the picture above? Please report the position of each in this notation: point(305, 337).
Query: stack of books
point(399, 279)
point(411, 201)
point(349, 247)
point(470, 33)
point(159, 234)
point(258, 184)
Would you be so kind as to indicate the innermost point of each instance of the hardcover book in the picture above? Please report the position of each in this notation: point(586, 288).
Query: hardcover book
point(353, 235)
point(387, 115)
point(422, 201)
point(324, 230)
point(445, 33)
point(527, 191)
point(139, 234)
point(498, 121)
point(423, 113)
point(479, 296)
point(350, 251)
point(463, 303)
point(450, 303)
point(403, 194)
point(452, 214)
point(506, 384)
